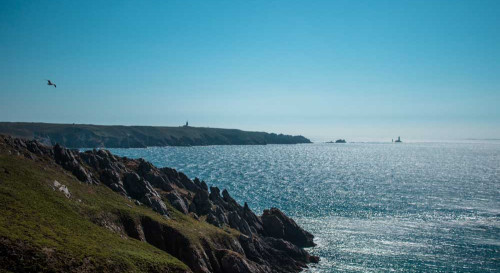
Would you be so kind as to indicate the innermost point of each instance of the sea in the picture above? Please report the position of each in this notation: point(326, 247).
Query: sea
point(372, 207)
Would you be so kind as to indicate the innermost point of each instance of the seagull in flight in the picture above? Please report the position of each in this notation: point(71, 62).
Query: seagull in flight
point(50, 83)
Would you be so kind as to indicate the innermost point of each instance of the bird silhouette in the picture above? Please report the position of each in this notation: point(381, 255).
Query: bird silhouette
point(50, 83)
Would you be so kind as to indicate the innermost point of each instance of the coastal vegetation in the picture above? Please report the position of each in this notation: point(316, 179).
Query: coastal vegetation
point(62, 210)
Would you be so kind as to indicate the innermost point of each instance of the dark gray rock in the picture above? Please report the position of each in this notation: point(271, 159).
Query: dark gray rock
point(202, 202)
point(291, 231)
point(154, 175)
point(291, 250)
point(215, 195)
point(221, 216)
point(273, 226)
point(192, 208)
point(236, 222)
point(155, 203)
point(253, 220)
point(212, 219)
point(177, 202)
point(109, 176)
point(66, 158)
point(232, 262)
point(140, 189)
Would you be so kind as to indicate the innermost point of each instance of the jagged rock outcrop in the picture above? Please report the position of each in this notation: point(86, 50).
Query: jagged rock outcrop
point(177, 201)
point(113, 180)
point(234, 262)
point(278, 225)
point(140, 189)
point(269, 243)
point(66, 158)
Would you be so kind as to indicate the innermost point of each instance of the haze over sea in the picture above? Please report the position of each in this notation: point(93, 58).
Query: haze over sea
point(373, 207)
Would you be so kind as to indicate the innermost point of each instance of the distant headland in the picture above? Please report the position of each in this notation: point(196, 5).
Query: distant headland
point(118, 136)
point(338, 141)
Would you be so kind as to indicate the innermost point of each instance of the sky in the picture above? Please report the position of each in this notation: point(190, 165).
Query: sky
point(322, 69)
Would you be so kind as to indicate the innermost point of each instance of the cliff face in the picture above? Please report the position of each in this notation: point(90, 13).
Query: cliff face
point(98, 136)
point(205, 229)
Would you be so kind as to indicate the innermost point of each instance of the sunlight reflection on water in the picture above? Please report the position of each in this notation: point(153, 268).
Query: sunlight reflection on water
point(419, 207)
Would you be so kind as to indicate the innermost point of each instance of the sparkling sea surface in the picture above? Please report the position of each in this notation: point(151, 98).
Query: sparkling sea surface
point(373, 207)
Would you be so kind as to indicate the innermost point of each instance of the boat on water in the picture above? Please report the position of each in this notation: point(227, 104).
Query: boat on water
point(398, 140)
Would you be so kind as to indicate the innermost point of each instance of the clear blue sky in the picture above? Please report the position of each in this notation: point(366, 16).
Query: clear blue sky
point(324, 69)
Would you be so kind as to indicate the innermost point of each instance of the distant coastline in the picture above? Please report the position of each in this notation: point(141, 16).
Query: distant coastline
point(118, 136)
point(337, 141)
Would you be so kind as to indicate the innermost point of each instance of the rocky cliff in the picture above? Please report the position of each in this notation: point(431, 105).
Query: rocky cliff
point(98, 136)
point(204, 228)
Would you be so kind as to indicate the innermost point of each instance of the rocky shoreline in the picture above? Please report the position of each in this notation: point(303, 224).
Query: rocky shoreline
point(271, 242)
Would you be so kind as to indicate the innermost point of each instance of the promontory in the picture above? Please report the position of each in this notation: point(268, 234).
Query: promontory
point(63, 210)
point(117, 136)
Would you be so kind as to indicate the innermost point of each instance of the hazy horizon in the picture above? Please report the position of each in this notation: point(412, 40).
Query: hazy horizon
point(322, 69)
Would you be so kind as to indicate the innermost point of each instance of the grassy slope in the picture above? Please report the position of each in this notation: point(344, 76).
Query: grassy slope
point(35, 216)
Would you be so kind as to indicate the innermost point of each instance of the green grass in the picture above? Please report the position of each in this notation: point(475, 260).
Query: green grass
point(42, 220)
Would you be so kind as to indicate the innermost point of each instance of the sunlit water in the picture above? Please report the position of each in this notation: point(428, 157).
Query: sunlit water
point(411, 207)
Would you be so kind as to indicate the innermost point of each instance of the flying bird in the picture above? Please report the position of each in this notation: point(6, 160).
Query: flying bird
point(50, 83)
